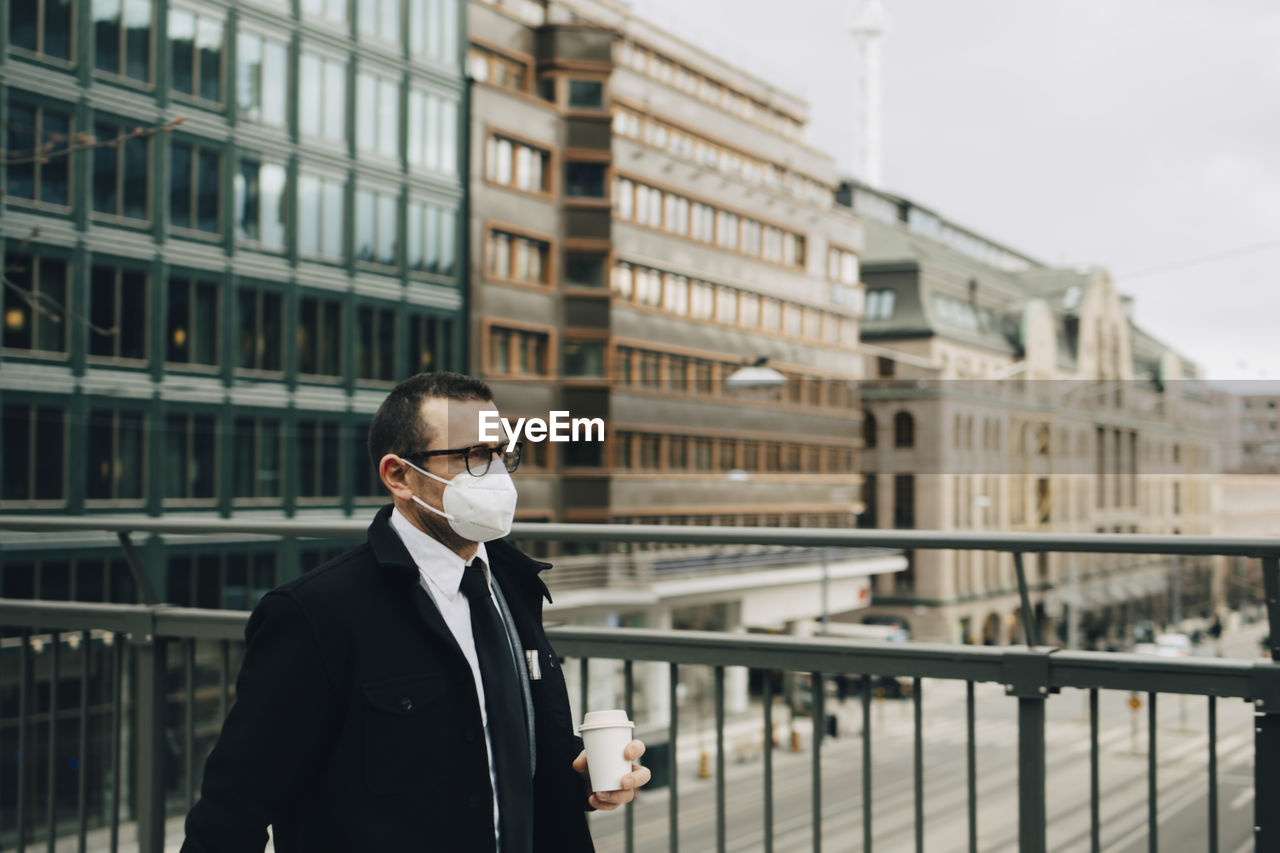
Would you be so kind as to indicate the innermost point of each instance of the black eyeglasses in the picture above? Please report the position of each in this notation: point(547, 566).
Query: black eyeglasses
point(478, 457)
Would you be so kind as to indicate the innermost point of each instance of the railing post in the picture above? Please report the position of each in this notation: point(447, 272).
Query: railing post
point(1027, 677)
point(149, 740)
point(1266, 727)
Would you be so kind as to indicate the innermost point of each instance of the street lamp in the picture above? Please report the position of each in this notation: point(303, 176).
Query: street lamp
point(756, 376)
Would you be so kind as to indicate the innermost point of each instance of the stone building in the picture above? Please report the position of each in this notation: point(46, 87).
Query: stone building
point(1009, 395)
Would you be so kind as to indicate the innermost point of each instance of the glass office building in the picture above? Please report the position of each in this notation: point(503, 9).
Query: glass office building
point(228, 228)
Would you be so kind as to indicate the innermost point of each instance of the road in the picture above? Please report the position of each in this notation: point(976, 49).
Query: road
point(1182, 779)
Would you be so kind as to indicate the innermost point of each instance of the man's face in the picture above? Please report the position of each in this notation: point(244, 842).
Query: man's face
point(451, 425)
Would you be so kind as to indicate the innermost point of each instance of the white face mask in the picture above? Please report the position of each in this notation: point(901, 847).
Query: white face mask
point(477, 508)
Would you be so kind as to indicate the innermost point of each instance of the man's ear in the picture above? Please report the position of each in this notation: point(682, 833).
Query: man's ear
point(393, 471)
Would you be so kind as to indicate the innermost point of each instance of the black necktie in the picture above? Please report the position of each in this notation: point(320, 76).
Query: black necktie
point(504, 702)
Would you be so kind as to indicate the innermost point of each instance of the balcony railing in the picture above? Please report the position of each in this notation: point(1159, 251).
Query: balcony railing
point(175, 711)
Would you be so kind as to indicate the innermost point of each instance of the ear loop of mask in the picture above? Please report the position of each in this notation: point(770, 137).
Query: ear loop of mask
point(448, 516)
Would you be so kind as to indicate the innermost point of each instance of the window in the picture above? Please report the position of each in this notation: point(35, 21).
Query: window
point(514, 164)
point(904, 501)
point(258, 453)
point(431, 235)
point(34, 439)
point(33, 280)
point(518, 351)
point(702, 300)
point(675, 294)
point(318, 459)
point(879, 304)
point(122, 38)
point(650, 446)
point(377, 114)
point(121, 172)
point(190, 457)
point(433, 132)
point(587, 180)
point(379, 19)
point(648, 287)
point(38, 142)
point(842, 266)
point(586, 95)
point(904, 430)
point(792, 319)
point(261, 329)
point(320, 336)
point(749, 309)
point(376, 343)
point(583, 358)
point(226, 580)
point(320, 217)
point(868, 430)
point(322, 96)
point(334, 11)
point(118, 313)
point(433, 30)
point(42, 27)
point(677, 452)
point(726, 305)
point(195, 187)
point(116, 463)
point(485, 66)
point(377, 226)
point(584, 269)
point(262, 78)
point(430, 343)
point(726, 230)
point(195, 42)
point(260, 203)
point(517, 258)
point(364, 474)
point(624, 199)
point(702, 225)
point(192, 336)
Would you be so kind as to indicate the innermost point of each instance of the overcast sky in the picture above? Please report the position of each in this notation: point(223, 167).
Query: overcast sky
point(1131, 134)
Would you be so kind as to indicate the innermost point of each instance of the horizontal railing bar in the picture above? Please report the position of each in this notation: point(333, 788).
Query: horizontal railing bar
point(1106, 670)
point(1104, 543)
point(75, 615)
point(823, 654)
point(200, 624)
point(1154, 674)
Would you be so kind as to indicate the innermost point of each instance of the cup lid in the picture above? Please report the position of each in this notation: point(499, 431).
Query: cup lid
point(605, 720)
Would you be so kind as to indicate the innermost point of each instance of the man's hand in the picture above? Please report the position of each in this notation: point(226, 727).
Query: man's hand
point(609, 800)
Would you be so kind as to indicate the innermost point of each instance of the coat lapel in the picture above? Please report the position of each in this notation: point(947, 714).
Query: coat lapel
point(401, 572)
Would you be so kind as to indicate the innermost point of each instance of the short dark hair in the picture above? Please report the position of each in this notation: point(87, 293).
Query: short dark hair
point(398, 426)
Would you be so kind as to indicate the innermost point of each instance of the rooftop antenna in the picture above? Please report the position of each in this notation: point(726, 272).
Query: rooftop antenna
point(870, 26)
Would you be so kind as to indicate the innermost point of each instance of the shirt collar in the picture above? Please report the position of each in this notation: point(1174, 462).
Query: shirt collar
point(439, 566)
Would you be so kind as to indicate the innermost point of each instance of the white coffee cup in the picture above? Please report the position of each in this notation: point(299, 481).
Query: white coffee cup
point(606, 735)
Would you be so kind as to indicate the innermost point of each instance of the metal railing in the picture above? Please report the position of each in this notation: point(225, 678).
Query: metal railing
point(142, 684)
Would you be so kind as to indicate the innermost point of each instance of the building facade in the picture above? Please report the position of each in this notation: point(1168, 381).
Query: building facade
point(1011, 396)
point(228, 228)
point(646, 220)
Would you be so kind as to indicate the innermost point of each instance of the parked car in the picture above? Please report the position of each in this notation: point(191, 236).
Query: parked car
point(1166, 646)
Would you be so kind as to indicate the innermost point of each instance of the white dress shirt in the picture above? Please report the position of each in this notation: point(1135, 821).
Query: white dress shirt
point(440, 571)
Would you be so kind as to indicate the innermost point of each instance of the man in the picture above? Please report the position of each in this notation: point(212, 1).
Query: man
point(403, 696)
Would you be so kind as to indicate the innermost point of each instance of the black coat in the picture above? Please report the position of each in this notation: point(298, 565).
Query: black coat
point(356, 725)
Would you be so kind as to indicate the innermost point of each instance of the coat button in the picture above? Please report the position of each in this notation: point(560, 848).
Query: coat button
point(475, 800)
point(469, 735)
point(406, 703)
